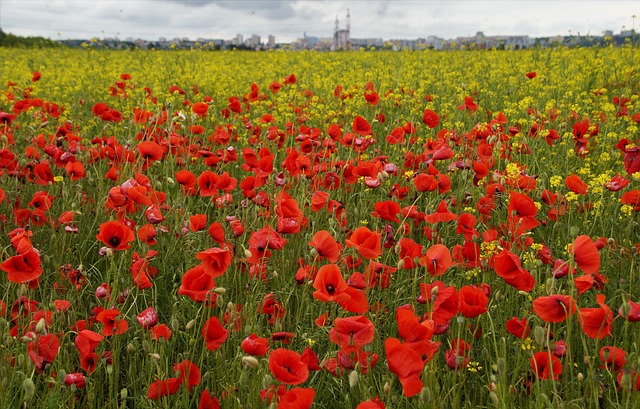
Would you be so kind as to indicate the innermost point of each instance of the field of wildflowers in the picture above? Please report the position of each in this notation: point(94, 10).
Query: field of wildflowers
point(294, 230)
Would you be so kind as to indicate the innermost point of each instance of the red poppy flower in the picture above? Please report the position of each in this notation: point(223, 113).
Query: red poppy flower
point(508, 266)
point(472, 301)
point(149, 151)
point(437, 260)
point(75, 170)
point(160, 331)
point(287, 367)
point(519, 328)
point(430, 118)
point(367, 242)
point(444, 301)
point(162, 388)
point(116, 235)
point(630, 311)
point(612, 358)
point(442, 214)
point(207, 183)
point(197, 285)
point(586, 255)
point(197, 222)
point(372, 97)
point(546, 365)
point(596, 322)
point(406, 364)
point(200, 109)
point(326, 245)
point(469, 105)
point(43, 351)
point(319, 200)
point(215, 261)
point(416, 334)
point(110, 324)
point(87, 341)
point(148, 318)
point(456, 357)
point(254, 345)
point(616, 183)
point(23, 267)
point(521, 212)
point(531, 75)
point(408, 251)
point(207, 401)
point(216, 231)
point(214, 334)
point(387, 210)
point(331, 287)
point(187, 181)
point(361, 126)
point(373, 403)
point(297, 398)
point(356, 330)
point(189, 374)
point(576, 185)
point(554, 308)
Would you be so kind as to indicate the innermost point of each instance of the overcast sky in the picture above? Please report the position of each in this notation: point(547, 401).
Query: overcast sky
point(288, 20)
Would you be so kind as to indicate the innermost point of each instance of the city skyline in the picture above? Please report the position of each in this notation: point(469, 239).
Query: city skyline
point(289, 20)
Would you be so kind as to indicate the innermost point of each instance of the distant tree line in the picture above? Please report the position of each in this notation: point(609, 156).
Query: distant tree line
point(14, 41)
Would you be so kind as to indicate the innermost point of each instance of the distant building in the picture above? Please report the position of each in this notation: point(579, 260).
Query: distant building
point(342, 37)
point(253, 42)
point(271, 41)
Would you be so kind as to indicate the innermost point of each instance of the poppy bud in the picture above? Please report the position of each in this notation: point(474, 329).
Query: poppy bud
point(190, 324)
point(175, 324)
point(170, 181)
point(20, 360)
point(29, 388)
point(250, 361)
point(27, 338)
point(146, 346)
point(61, 375)
point(219, 290)
point(549, 285)
point(502, 364)
point(387, 388)
point(538, 335)
point(41, 327)
point(155, 357)
point(124, 394)
point(220, 301)
point(494, 398)
point(460, 319)
point(401, 264)
point(109, 369)
point(353, 379)
point(574, 230)
point(580, 377)
point(266, 381)
point(313, 253)
point(626, 382)
point(131, 348)
point(425, 395)
point(243, 378)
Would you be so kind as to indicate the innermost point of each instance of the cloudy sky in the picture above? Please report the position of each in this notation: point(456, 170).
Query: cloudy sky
point(288, 20)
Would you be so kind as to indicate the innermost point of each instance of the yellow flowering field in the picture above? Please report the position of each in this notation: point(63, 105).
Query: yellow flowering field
point(302, 229)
